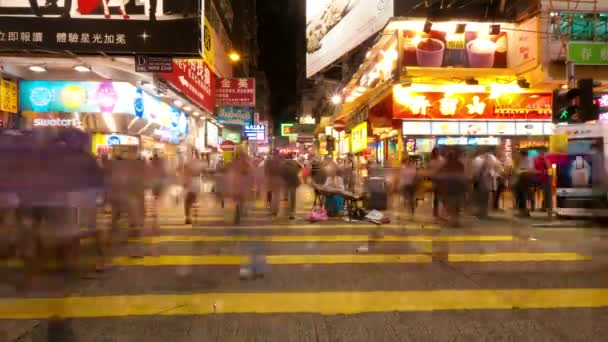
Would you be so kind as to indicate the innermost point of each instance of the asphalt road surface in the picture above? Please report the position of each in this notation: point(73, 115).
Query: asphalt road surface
point(497, 280)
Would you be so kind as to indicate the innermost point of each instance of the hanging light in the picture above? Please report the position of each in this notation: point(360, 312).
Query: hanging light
point(82, 68)
point(38, 68)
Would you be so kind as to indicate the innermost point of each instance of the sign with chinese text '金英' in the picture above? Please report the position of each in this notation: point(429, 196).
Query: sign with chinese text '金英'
point(235, 116)
point(8, 96)
point(153, 64)
point(466, 106)
point(194, 78)
point(235, 92)
point(588, 53)
point(84, 31)
point(255, 132)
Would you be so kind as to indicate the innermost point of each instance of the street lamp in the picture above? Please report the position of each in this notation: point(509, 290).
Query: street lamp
point(234, 57)
point(336, 99)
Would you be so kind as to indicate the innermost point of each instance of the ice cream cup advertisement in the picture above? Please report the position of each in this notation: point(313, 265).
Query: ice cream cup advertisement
point(452, 44)
point(575, 171)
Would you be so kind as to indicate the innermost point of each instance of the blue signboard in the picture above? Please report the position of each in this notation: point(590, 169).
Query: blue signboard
point(99, 97)
point(235, 116)
point(255, 132)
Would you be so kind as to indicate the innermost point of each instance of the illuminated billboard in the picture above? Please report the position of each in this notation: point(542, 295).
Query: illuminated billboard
point(334, 27)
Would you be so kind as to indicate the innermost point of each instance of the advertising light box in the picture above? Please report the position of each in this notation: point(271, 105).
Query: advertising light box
point(99, 97)
point(529, 128)
point(335, 27)
point(474, 127)
point(445, 128)
point(413, 127)
point(501, 128)
point(442, 46)
point(255, 132)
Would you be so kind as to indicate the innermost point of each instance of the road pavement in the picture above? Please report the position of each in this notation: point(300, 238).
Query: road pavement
point(410, 280)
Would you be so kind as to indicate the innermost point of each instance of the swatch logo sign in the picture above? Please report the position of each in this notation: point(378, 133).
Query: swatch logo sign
point(57, 123)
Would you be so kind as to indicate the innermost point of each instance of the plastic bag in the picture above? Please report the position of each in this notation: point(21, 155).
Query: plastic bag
point(318, 215)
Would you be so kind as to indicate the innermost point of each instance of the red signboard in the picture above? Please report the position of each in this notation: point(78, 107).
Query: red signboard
point(194, 78)
point(235, 92)
point(436, 105)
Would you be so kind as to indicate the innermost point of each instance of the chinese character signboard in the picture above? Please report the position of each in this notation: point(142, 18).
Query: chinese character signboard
point(235, 92)
point(448, 45)
point(288, 130)
point(195, 79)
point(588, 53)
point(235, 116)
point(81, 26)
point(8, 96)
point(437, 105)
point(255, 132)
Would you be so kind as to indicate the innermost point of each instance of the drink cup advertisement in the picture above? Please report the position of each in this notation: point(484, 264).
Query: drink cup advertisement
point(451, 44)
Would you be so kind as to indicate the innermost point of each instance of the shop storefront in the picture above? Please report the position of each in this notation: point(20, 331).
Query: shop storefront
point(8, 103)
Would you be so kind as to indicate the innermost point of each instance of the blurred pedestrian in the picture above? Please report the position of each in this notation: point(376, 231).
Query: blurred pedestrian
point(484, 168)
point(192, 185)
point(274, 183)
point(543, 181)
point(334, 204)
point(408, 184)
point(290, 172)
point(435, 164)
point(452, 184)
point(523, 183)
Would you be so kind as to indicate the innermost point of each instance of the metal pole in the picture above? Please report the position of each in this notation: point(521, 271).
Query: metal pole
point(570, 75)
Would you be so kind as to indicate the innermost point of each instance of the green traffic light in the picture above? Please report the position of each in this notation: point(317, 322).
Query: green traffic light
point(564, 115)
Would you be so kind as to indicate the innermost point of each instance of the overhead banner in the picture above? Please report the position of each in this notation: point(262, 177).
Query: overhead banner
point(334, 27)
point(470, 45)
point(144, 26)
point(438, 105)
point(235, 116)
point(194, 78)
point(239, 92)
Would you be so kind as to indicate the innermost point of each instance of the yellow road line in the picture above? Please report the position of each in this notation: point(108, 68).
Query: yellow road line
point(516, 257)
point(320, 238)
point(324, 259)
point(326, 303)
point(301, 227)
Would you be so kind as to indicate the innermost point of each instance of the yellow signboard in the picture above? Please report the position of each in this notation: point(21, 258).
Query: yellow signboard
point(207, 49)
point(358, 138)
point(8, 96)
point(558, 143)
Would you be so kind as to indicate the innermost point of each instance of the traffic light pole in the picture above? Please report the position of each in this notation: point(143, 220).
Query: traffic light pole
point(570, 75)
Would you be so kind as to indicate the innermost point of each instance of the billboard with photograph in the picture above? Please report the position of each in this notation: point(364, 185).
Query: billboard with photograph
point(334, 27)
point(109, 26)
point(454, 44)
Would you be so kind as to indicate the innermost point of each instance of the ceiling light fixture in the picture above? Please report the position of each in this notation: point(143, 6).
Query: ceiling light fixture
point(178, 103)
point(187, 108)
point(196, 113)
point(82, 68)
point(37, 68)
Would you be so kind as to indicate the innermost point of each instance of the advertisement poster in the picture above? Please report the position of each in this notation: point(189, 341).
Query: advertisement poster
point(575, 171)
point(109, 26)
point(471, 45)
point(235, 92)
point(99, 97)
point(229, 135)
point(212, 134)
point(334, 27)
point(359, 138)
point(235, 116)
point(194, 78)
point(466, 106)
point(8, 96)
point(411, 127)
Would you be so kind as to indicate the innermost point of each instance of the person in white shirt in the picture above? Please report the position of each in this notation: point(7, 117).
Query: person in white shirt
point(484, 170)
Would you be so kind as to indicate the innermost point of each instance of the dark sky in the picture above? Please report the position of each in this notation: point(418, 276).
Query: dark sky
point(277, 33)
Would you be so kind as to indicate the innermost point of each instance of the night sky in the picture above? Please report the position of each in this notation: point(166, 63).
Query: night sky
point(277, 29)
